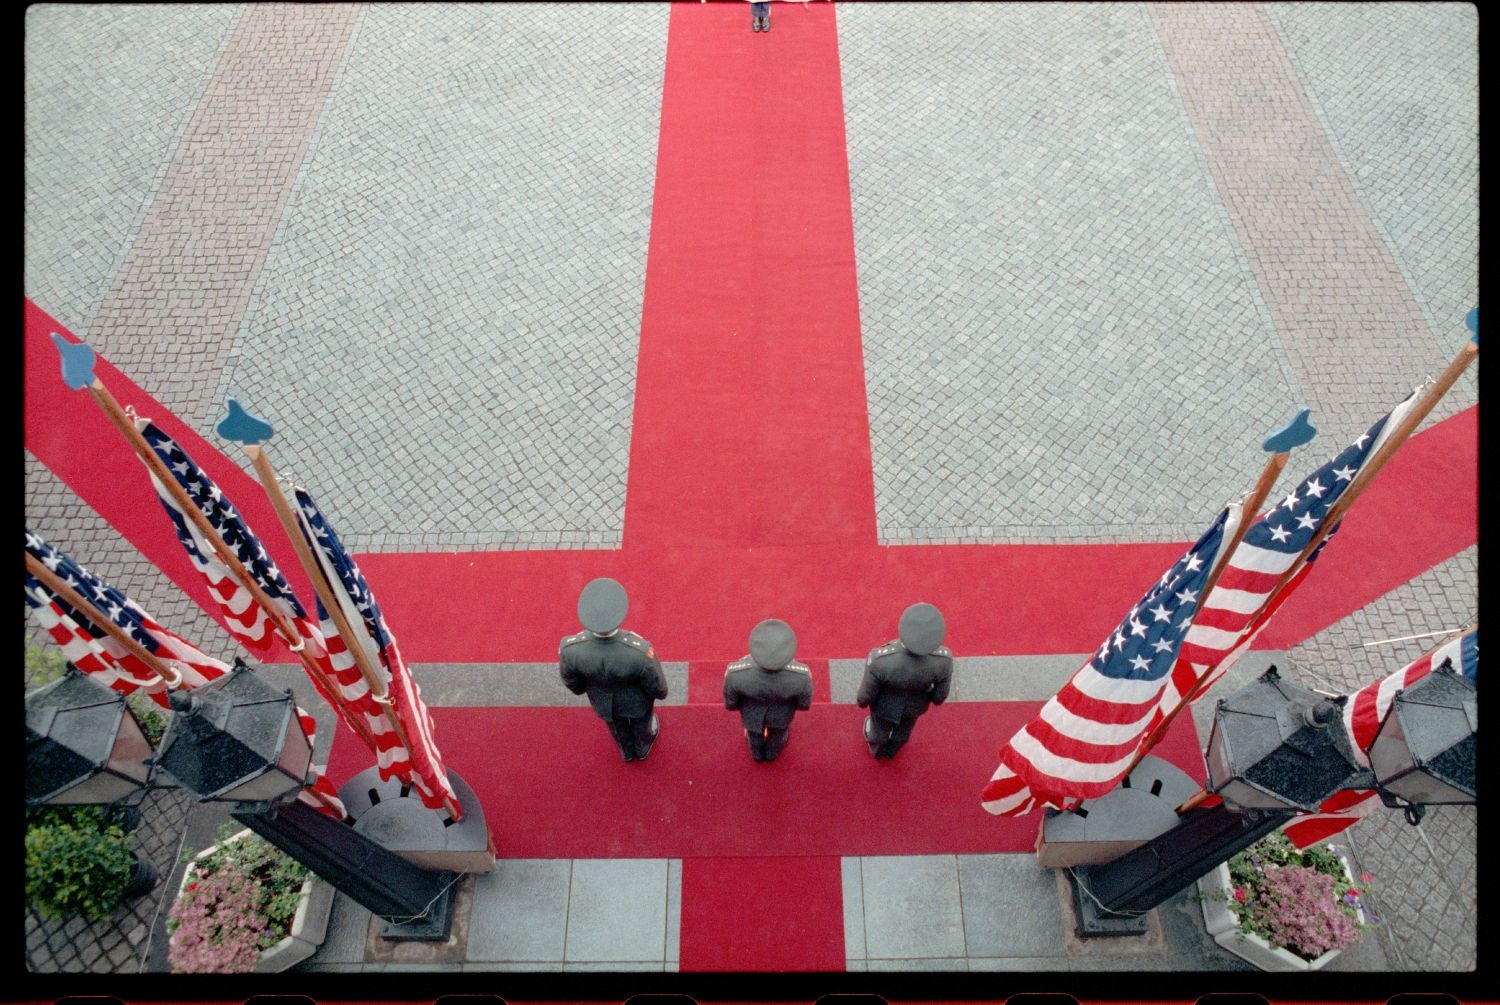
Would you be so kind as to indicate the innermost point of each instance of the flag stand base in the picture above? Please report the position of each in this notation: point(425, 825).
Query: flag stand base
point(1094, 920)
point(435, 926)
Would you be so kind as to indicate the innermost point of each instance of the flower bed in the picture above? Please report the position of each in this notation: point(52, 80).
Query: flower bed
point(244, 906)
point(1282, 909)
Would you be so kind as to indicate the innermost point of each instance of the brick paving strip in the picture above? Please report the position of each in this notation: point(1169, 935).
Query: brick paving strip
point(187, 278)
point(1334, 290)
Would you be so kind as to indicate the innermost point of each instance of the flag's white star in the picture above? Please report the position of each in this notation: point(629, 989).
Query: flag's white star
point(1306, 521)
point(1161, 613)
point(1140, 663)
point(1315, 488)
point(1187, 596)
point(1136, 628)
point(1118, 639)
point(1361, 441)
point(114, 612)
point(216, 493)
point(180, 467)
point(1344, 474)
point(33, 542)
point(1194, 563)
point(1161, 645)
point(1279, 533)
point(52, 561)
point(1291, 500)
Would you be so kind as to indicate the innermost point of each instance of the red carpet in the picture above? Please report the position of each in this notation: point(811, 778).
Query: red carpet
point(750, 427)
point(759, 914)
point(553, 785)
point(700, 603)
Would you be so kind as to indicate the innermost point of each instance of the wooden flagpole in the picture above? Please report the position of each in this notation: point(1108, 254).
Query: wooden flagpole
point(143, 449)
point(55, 583)
point(324, 590)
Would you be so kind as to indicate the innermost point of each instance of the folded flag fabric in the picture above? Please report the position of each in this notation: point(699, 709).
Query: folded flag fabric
point(1084, 739)
point(1365, 710)
point(417, 761)
point(242, 615)
point(91, 649)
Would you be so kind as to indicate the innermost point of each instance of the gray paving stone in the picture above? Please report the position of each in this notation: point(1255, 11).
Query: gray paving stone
point(951, 964)
point(520, 911)
point(458, 278)
point(912, 908)
point(348, 929)
point(674, 913)
point(101, 125)
point(979, 963)
point(1396, 88)
point(1009, 907)
point(617, 911)
point(852, 878)
point(1040, 292)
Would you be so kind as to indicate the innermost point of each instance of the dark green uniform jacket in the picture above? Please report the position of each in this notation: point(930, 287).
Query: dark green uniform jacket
point(767, 698)
point(899, 684)
point(621, 673)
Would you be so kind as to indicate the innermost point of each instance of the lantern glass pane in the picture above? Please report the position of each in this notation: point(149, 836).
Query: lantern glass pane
point(1420, 787)
point(296, 754)
point(131, 751)
point(100, 789)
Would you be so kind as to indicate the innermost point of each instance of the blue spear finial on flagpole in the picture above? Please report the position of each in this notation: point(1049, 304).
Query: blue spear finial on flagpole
point(243, 427)
point(1293, 434)
point(77, 362)
point(1473, 322)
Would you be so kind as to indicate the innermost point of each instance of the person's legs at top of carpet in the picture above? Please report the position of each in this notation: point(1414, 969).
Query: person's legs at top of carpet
point(760, 16)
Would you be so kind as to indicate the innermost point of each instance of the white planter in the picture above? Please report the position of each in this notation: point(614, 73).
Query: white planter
point(309, 924)
point(1224, 927)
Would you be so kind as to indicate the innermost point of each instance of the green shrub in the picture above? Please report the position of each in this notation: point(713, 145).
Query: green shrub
point(76, 865)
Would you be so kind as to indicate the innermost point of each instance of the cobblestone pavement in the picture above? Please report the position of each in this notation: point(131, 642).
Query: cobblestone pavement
point(1394, 87)
point(1089, 239)
point(446, 326)
point(102, 125)
point(1045, 271)
point(174, 307)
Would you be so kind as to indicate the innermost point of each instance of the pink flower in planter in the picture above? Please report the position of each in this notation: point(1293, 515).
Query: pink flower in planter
point(1239, 894)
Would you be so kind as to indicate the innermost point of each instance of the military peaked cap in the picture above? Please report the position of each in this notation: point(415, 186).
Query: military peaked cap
point(922, 628)
point(602, 606)
point(773, 644)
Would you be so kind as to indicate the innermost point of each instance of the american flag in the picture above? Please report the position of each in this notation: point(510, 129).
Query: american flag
point(1082, 742)
point(418, 764)
point(95, 652)
point(90, 648)
point(1242, 602)
point(242, 615)
point(1363, 714)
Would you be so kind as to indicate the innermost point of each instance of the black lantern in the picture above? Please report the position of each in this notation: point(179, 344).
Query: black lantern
point(1277, 746)
point(1425, 752)
point(83, 744)
point(236, 739)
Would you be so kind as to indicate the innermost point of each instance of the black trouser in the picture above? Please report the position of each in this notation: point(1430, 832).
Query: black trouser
point(765, 745)
point(760, 10)
point(633, 735)
point(886, 737)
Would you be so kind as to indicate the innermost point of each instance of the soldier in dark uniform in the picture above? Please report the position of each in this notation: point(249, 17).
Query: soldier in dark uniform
point(903, 677)
point(768, 687)
point(618, 669)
